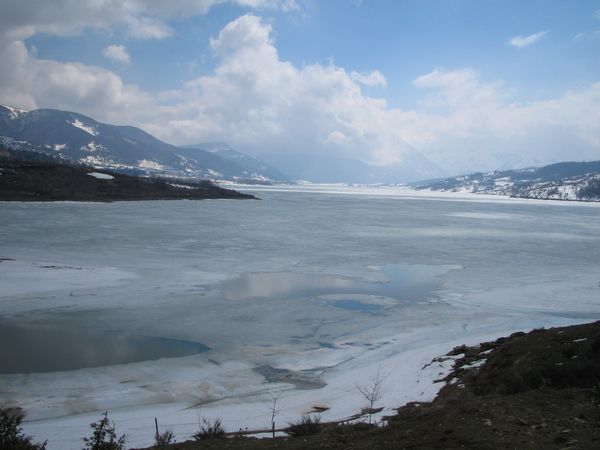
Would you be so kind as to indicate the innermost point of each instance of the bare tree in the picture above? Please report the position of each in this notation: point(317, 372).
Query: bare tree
point(274, 411)
point(372, 391)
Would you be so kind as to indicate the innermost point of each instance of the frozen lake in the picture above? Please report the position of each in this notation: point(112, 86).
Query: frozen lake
point(172, 309)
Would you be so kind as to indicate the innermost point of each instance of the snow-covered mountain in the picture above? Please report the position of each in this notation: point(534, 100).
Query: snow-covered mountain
point(560, 181)
point(254, 168)
point(73, 136)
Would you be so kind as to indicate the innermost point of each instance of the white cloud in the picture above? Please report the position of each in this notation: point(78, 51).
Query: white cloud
point(525, 41)
point(478, 125)
point(337, 138)
point(174, 8)
point(32, 83)
point(265, 104)
point(587, 36)
point(117, 53)
point(248, 33)
point(283, 5)
point(26, 18)
point(374, 78)
point(187, 8)
point(456, 89)
point(143, 19)
point(148, 28)
point(261, 103)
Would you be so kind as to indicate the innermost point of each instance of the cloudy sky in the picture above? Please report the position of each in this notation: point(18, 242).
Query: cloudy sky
point(469, 84)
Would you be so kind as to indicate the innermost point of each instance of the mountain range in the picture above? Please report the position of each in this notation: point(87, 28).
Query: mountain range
point(255, 169)
point(560, 181)
point(75, 138)
point(78, 138)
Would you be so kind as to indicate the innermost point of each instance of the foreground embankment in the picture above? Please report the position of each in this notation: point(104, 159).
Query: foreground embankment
point(529, 390)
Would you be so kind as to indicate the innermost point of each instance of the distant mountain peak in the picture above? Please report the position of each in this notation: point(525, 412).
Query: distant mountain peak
point(73, 136)
point(256, 168)
point(15, 113)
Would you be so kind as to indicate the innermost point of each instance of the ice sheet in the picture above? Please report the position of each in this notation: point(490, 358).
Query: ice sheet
point(299, 282)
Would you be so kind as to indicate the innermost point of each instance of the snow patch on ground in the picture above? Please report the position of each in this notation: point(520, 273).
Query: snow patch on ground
point(92, 147)
point(96, 161)
point(59, 147)
point(474, 365)
point(214, 173)
point(101, 162)
point(82, 126)
point(502, 182)
point(15, 113)
point(183, 186)
point(148, 164)
point(101, 176)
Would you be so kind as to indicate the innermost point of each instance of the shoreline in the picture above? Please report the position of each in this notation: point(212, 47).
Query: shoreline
point(406, 192)
point(409, 376)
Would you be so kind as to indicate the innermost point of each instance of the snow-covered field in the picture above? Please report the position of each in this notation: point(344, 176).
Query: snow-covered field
point(307, 292)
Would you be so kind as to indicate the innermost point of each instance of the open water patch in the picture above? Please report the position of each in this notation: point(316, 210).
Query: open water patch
point(43, 348)
point(408, 282)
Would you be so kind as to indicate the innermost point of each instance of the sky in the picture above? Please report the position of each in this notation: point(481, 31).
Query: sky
point(464, 84)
